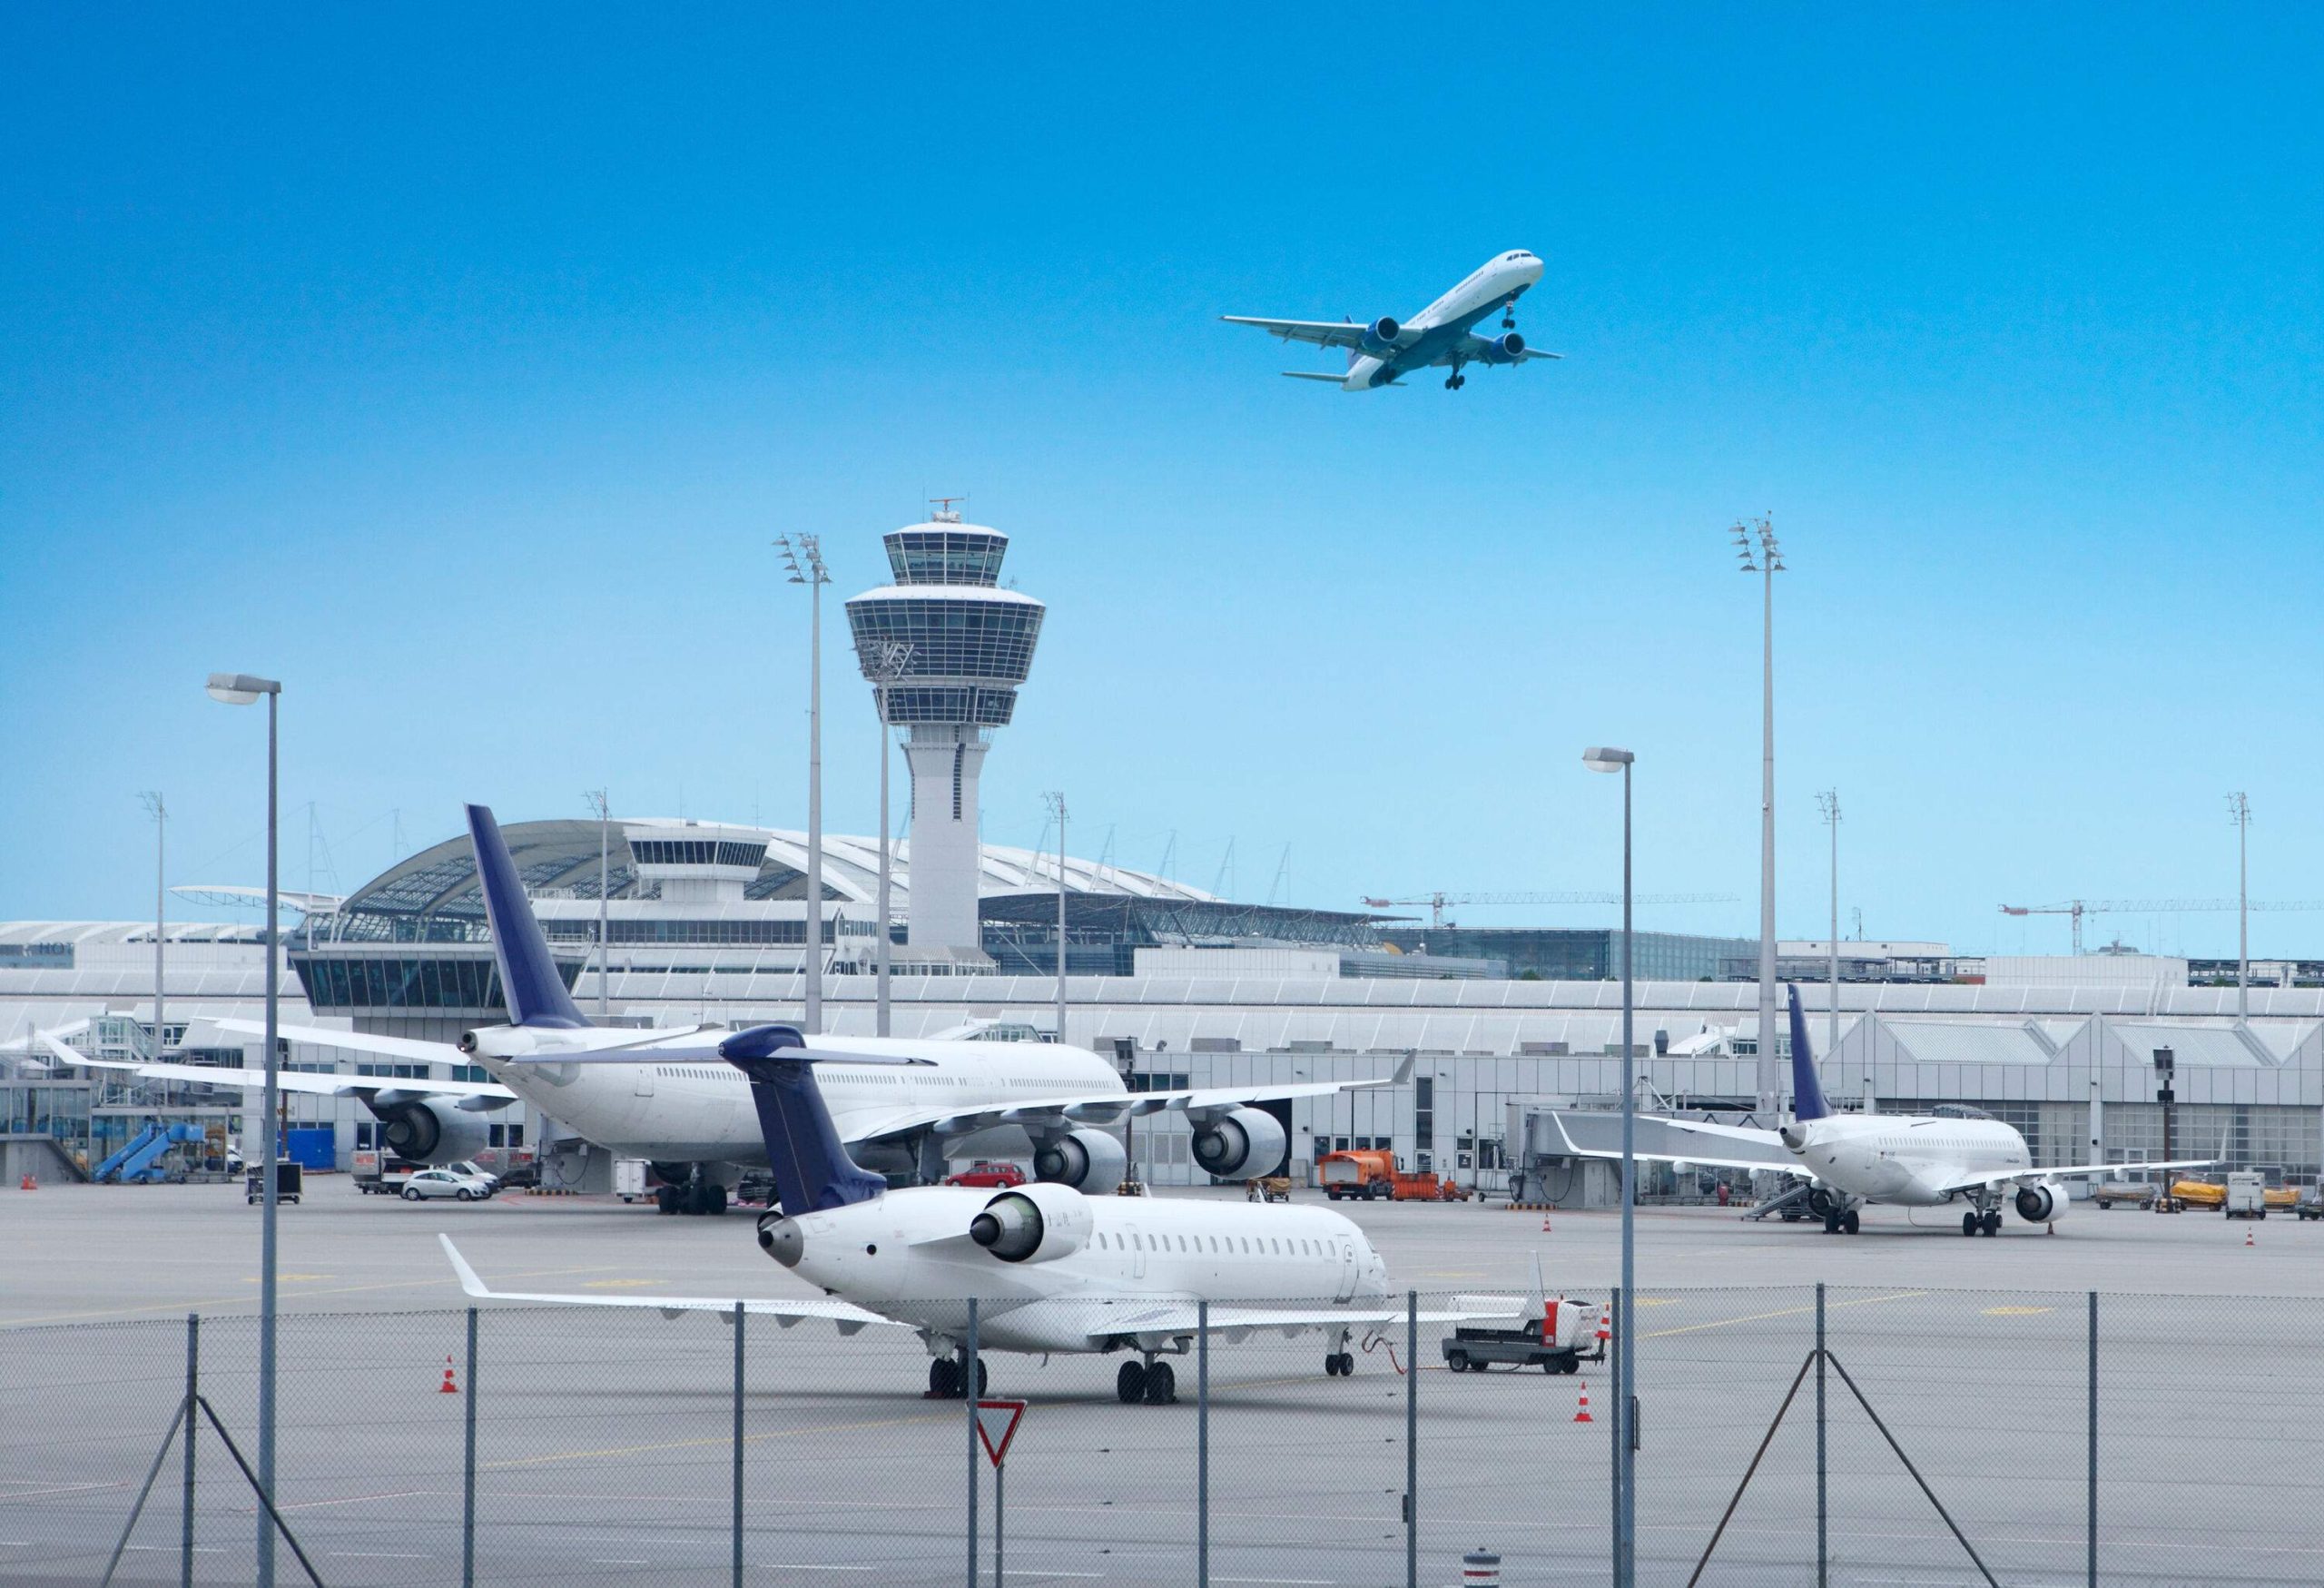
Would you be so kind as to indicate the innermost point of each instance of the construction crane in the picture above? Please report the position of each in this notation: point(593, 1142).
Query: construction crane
point(2078, 908)
point(1436, 903)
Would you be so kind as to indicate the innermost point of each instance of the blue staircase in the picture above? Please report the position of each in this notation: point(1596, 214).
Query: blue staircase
point(141, 1159)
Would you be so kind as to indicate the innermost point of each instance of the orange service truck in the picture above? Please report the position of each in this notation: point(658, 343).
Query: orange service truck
point(1371, 1174)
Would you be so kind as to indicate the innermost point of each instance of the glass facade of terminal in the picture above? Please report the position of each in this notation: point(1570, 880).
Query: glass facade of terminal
point(1589, 956)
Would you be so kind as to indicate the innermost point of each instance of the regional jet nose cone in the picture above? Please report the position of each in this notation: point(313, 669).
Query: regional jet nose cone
point(783, 1239)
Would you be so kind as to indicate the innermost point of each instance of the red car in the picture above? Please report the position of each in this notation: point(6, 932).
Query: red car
point(994, 1175)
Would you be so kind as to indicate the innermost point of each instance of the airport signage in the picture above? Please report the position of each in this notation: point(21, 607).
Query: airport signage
point(996, 1425)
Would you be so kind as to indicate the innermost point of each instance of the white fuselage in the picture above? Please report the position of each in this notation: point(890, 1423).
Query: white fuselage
point(906, 1256)
point(1916, 1161)
point(699, 1110)
point(1490, 286)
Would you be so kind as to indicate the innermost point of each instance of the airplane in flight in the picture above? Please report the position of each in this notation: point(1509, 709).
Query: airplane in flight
point(904, 1107)
point(1051, 1270)
point(1385, 350)
point(1907, 1160)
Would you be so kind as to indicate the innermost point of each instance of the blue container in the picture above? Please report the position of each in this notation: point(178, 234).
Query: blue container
point(314, 1146)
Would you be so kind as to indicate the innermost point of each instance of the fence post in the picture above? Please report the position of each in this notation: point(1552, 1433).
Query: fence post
point(1412, 1439)
point(969, 1394)
point(468, 1469)
point(192, 1389)
point(1614, 1372)
point(2092, 1561)
point(1202, 1445)
point(738, 1445)
point(1823, 1467)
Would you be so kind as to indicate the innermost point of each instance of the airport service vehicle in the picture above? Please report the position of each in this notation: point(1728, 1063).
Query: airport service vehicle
point(2109, 1193)
point(1909, 1160)
point(378, 1173)
point(443, 1182)
point(1552, 1342)
point(2257, 1195)
point(475, 1171)
point(2245, 1195)
point(1052, 1271)
point(290, 1182)
point(909, 1107)
point(1371, 1174)
point(1383, 351)
point(990, 1176)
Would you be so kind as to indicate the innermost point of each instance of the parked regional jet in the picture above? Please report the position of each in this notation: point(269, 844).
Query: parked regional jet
point(1909, 1160)
point(904, 1108)
point(1050, 1269)
point(1386, 350)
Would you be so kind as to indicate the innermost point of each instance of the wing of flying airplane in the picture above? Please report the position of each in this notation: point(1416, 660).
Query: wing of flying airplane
point(851, 1320)
point(1323, 333)
point(1477, 349)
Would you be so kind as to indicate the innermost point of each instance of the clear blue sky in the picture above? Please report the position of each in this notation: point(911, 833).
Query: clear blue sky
point(457, 367)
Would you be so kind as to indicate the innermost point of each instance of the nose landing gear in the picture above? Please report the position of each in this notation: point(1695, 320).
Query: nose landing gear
point(946, 1375)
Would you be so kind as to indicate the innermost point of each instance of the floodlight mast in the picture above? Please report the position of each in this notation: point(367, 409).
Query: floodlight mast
point(802, 556)
point(1760, 535)
point(1606, 758)
point(159, 811)
point(1055, 801)
point(2239, 810)
point(1828, 802)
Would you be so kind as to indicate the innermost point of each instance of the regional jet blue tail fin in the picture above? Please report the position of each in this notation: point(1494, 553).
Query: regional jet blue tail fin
point(813, 1171)
point(1807, 1093)
point(529, 974)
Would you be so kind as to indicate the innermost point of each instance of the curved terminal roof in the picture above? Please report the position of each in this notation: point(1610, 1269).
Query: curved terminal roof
point(432, 895)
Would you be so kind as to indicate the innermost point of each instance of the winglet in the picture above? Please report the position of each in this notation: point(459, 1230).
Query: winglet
point(1404, 1070)
point(469, 1282)
point(1806, 1093)
point(529, 980)
point(1537, 1305)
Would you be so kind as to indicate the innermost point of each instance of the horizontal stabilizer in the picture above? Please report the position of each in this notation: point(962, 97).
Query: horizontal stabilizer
point(848, 1317)
point(1314, 375)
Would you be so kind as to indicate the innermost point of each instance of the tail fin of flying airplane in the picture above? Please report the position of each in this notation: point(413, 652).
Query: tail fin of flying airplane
point(1807, 1093)
point(528, 975)
point(813, 1171)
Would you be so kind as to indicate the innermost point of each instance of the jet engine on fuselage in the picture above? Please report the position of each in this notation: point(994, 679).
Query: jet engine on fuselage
point(428, 1130)
point(1084, 1160)
point(2041, 1204)
point(1239, 1144)
point(1034, 1224)
point(1380, 336)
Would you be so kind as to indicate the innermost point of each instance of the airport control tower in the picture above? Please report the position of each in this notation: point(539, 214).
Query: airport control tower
point(945, 648)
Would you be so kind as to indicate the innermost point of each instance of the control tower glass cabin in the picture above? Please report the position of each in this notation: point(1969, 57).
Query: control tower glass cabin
point(966, 645)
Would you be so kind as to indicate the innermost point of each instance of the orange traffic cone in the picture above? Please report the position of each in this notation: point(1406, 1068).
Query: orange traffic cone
point(1582, 1414)
point(2247, 1233)
point(1605, 1327)
point(29, 1183)
point(1545, 1223)
point(447, 1387)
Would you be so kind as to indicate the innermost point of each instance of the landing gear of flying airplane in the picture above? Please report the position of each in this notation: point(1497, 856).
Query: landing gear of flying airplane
point(1454, 381)
point(1152, 1382)
point(946, 1373)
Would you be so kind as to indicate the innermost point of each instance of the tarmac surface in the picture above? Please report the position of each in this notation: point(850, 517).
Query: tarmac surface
point(605, 1439)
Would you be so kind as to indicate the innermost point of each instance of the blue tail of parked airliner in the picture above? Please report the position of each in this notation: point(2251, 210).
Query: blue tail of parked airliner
point(529, 974)
point(1807, 1093)
point(812, 1170)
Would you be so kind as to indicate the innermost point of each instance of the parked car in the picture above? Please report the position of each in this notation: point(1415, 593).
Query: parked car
point(521, 1176)
point(443, 1182)
point(993, 1175)
point(470, 1167)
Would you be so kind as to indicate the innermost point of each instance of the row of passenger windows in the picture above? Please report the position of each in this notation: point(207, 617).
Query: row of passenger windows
point(1261, 1245)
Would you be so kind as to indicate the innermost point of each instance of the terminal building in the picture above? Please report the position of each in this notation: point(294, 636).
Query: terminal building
point(657, 920)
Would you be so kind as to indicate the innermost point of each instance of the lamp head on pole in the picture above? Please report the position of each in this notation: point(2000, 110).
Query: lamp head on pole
point(1606, 758)
point(240, 688)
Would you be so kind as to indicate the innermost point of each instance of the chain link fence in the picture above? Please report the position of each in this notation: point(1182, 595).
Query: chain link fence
point(1788, 1435)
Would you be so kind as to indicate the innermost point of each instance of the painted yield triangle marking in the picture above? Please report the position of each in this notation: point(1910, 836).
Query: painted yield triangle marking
point(996, 1425)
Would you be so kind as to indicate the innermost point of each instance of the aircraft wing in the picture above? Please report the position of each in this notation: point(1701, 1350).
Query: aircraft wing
point(603, 1045)
point(1104, 1108)
point(850, 1318)
point(1665, 1140)
point(1323, 333)
point(408, 1049)
point(2071, 1172)
point(1472, 349)
point(287, 1080)
point(1235, 1321)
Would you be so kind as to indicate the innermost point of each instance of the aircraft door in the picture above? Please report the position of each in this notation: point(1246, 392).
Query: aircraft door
point(1137, 1251)
point(644, 1080)
point(1347, 1268)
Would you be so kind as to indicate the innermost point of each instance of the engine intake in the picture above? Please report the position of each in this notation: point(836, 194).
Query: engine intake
point(1505, 349)
point(1380, 336)
point(1034, 1224)
point(1087, 1160)
point(2041, 1204)
point(428, 1130)
point(1240, 1144)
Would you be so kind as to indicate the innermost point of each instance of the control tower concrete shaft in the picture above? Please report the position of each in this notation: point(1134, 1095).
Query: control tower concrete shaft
point(945, 648)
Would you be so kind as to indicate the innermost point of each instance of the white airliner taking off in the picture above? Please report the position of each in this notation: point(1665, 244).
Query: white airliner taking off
point(907, 1107)
point(1050, 1270)
point(1386, 350)
point(1909, 1160)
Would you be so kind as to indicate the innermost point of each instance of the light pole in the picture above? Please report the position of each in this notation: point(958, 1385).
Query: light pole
point(1762, 531)
point(241, 689)
point(1828, 802)
point(892, 662)
point(1607, 759)
point(160, 814)
point(803, 556)
point(1056, 799)
point(2239, 810)
point(597, 803)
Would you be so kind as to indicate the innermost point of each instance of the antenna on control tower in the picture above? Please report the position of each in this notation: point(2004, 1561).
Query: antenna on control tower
point(946, 513)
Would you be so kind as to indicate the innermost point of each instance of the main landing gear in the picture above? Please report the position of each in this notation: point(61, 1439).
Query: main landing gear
point(1155, 1383)
point(691, 1191)
point(1339, 1362)
point(946, 1373)
point(1839, 1221)
point(1980, 1219)
point(1455, 380)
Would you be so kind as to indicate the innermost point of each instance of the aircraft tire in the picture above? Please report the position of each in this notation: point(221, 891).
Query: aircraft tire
point(1969, 1222)
point(1832, 1222)
point(1129, 1384)
point(666, 1199)
point(1852, 1222)
point(983, 1377)
point(1993, 1222)
point(940, 1377)
point(1161, 1385)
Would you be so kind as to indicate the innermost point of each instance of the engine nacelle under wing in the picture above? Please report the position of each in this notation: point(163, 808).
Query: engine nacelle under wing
point(1034, 1224)
point(1380, 336)
point(2042, 1204)
point(1505, 349)
point(1239, 1144)
point(429, 1129)
point(1087, 1160)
